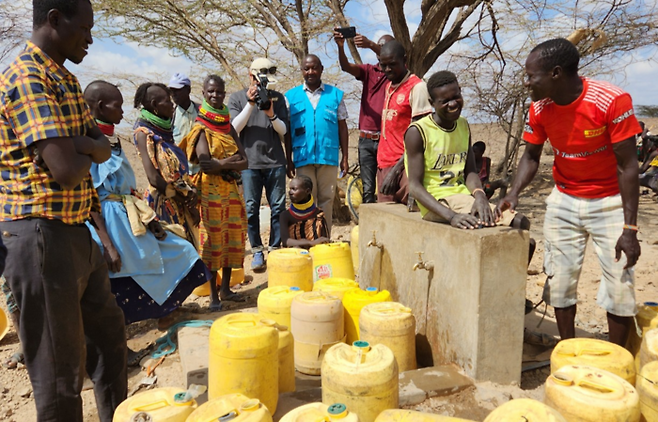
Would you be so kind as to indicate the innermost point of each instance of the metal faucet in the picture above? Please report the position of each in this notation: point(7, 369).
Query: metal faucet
point(373, 241)
point(423, 265)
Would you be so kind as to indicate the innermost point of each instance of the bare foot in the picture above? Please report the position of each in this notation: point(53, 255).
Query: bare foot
point(215, 306)
point(233, 297)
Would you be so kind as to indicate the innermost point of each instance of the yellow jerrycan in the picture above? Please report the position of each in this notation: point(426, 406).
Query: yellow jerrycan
point(316, 325)
point(393, 325)
point(231, 408)
point(354, 300)
point(291, 267)
point(587, 394)
point(646, 319)
point(362, 377)
point(647, 388)
point(286, 356)
point(335, 286)
point(404, 415)
point(237, 277)
point(320, 412)
point(597, 353)
point(168, 404)
point(524, 410)
point(354, 248)
point(332, 260)
point(244, 359)
point(4, 324)
point(649, 348)
point(275, 302)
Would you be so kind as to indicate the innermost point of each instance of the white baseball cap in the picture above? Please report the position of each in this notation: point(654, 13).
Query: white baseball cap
point(263, 65)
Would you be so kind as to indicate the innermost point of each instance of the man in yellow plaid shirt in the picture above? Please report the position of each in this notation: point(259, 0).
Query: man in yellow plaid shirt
point(55, 270)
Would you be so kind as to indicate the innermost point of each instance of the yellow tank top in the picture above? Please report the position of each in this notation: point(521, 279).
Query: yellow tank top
point(445, 158)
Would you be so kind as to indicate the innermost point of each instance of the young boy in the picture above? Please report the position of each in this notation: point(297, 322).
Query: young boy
point(303, 224)
point(440, 163)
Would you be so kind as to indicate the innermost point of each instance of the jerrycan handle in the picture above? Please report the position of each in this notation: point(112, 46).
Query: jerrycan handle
point(389, 309)
point(594, 386)
point(593, 352)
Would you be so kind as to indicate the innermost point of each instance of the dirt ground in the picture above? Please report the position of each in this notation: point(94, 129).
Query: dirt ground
point(474, 403)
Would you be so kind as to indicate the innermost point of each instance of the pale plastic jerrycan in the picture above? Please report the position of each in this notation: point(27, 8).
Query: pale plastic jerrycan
point(316, 325)
point(393, 325)
point(237, 277)
point(524, 410)
point(647, 388)
point(646, 319)
point(363, 377)
point(320, 412)
point(244, 359)
point(649, 349)
point(168, 404)
point(335, 286)
point(354, 248)
point(404, 415)
point(231, 408)
point(290, 267)
point(275, 302)
point(597, 353)
point(587, 394)
point(332, 260)
point(286, 352)
point(354, 300)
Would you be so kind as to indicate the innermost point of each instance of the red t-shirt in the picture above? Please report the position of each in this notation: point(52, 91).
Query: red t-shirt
point(372, 97)
point(582, 134)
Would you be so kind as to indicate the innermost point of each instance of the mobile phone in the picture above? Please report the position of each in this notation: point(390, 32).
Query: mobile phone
point(348, 32)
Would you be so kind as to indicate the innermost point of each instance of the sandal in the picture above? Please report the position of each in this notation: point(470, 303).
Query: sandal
point(14, 360)
point(135, 357)
point(233, 297)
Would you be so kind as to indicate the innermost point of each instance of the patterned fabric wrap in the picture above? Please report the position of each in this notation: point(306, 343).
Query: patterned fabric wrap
point(169, 160)
point(223, 216)
point(40, 100)
point(310, 228)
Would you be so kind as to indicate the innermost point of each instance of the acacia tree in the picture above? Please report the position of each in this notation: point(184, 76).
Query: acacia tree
point(603, 31)
point(14, 26)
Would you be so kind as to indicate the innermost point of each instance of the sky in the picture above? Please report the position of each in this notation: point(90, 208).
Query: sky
point(118, 58)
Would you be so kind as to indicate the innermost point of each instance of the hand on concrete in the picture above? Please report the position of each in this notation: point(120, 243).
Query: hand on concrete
point(482, 210)
point(509, 202)
point(465, 221)
point(629, 244)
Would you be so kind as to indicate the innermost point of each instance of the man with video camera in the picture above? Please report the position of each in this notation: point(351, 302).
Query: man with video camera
point(260, 117)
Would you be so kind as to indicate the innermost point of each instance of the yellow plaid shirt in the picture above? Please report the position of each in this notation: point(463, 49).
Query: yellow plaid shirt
point(40, 100)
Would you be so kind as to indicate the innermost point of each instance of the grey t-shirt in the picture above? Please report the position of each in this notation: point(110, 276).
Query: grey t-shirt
point(261, 142)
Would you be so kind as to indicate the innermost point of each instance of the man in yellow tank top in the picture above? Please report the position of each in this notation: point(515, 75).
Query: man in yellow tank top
point(441, 167)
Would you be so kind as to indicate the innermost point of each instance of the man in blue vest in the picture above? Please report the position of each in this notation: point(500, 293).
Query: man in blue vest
point(317, 131)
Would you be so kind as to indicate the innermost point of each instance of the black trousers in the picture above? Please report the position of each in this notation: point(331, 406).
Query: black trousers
point(368, 163)
point(69, 317)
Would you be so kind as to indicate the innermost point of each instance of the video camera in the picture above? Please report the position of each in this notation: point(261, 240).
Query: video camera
point(263, 98)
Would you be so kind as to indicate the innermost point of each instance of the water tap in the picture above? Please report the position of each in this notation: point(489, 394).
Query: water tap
point(373, 241)
point(423, 265)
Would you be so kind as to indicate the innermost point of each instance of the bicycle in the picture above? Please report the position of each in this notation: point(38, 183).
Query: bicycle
point(354, 193)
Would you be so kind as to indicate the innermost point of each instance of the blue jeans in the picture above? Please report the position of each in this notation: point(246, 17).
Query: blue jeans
point(274, 182)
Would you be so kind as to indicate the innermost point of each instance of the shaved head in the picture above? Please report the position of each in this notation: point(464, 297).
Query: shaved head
point(100, 90)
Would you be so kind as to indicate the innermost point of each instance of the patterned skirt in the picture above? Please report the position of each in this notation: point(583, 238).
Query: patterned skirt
point(137, 305)
point(223, 223)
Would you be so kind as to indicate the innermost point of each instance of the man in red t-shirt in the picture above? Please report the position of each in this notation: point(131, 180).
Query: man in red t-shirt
point(406, 99)
point(372, 103)
point(591, 127)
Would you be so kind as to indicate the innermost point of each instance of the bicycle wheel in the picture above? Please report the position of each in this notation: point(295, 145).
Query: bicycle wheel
point(354, 196)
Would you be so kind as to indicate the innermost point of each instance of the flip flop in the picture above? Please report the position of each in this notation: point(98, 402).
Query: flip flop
point(13, 361)
point(233, 297)
point(135, 357)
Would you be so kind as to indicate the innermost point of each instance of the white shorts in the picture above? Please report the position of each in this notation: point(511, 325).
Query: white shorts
point(569, 222)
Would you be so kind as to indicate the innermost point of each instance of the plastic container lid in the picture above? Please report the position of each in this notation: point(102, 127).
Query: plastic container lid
point(371, 289)
point(337, 411)
point(650, 303)
point(295, 288)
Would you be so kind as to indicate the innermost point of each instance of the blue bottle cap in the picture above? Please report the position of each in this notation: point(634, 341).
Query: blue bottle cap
point(371, 289)
point(294, 288)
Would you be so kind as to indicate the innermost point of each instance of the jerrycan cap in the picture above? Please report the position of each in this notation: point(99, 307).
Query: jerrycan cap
point(337, 411)
point(250, 405)
point(372, 289)
point(361, 346)
point(303, 252)
point(651, 304)
point(294, 289)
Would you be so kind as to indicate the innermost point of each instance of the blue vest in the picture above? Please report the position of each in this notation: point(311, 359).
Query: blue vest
point(314, 133)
